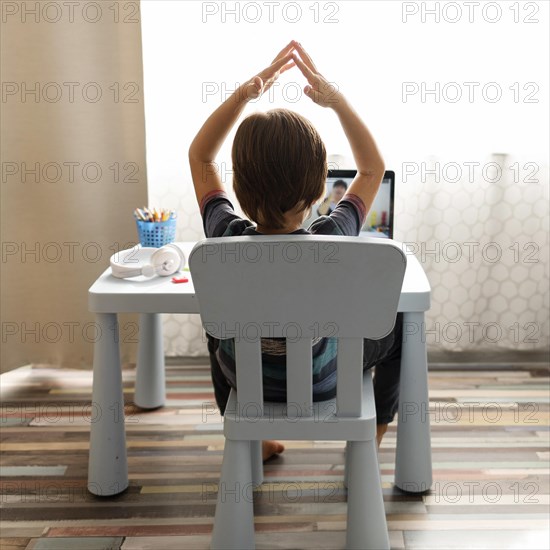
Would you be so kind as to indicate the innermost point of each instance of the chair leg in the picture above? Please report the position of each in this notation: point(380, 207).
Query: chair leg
point(234, 518)
point(257, 463)
point(367, 529)
point(346, 463)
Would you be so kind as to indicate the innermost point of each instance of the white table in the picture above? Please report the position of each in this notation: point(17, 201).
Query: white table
point(108, 296)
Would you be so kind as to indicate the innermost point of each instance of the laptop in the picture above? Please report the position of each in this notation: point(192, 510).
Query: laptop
point(379, 221)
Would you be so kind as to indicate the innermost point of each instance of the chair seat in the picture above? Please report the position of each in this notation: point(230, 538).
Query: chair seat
point(282, 421)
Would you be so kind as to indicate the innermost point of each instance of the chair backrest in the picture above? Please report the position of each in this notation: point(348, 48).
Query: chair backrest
point(298, 287)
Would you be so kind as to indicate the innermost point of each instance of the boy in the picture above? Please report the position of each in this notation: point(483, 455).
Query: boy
point(279, 172)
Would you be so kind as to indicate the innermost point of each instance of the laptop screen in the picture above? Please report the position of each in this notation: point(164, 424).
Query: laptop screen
point(379, 220)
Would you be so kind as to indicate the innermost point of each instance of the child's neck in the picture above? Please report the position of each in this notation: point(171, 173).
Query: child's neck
point(293, 221)
point(283, 231)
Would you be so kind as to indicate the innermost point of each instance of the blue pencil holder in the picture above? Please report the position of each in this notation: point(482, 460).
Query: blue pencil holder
point(156, 234)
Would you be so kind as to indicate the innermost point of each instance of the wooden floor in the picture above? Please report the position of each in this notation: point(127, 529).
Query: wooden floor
point(490, 457)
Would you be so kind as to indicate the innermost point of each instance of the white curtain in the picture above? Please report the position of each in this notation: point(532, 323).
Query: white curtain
point(483, 242)
point(386, 59)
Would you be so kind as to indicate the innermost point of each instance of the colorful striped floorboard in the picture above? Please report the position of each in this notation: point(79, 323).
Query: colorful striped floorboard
point(490, 446)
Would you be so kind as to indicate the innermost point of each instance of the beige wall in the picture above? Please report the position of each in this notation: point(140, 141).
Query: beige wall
point(44, 311)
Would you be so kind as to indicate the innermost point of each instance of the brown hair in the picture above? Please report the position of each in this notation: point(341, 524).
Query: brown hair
point(279, 163)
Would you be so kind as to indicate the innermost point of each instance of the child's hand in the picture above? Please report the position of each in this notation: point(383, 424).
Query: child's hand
point(320, 91)
point(260, 83)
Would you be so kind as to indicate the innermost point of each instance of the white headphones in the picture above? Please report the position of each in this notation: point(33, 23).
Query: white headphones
point(147, 261)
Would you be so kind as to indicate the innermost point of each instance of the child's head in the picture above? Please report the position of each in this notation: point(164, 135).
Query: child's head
point(279, 164)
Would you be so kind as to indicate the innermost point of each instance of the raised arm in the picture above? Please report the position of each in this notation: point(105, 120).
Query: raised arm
point(210, 138)
point(369, 162)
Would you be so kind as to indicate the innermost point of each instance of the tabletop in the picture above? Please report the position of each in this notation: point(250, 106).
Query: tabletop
point(109, 294)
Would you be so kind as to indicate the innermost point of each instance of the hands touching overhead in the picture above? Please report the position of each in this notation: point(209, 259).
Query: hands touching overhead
point(318, 89)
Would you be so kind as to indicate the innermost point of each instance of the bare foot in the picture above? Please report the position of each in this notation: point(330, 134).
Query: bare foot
point(381, 429)
point(270, 448)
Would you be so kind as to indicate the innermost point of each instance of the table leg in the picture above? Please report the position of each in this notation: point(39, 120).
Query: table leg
point(107, 465)
point(150, 391)
point(413, 464)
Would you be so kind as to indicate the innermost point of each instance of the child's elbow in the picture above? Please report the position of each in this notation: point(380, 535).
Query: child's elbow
point(380, 168)
point(191, 154)
point(195, 155)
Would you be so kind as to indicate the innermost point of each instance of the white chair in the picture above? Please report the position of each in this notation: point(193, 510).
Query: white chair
point(298, 287)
